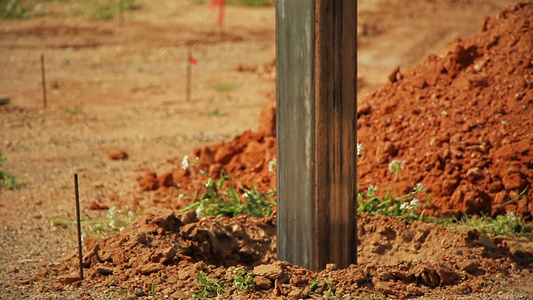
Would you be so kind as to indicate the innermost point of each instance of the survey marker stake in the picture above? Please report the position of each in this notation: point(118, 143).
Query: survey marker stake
point(190, 61)
point(221, 8)
point(43, 80)
point(78, 221)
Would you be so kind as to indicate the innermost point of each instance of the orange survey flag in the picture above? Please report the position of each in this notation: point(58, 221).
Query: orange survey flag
point(193, 60)
point(221, 4)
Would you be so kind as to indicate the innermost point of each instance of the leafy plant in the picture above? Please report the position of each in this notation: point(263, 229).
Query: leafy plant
point(107, 9)
point(14, 9)
point(77, 110)
point(252, 2)
point(115, 222)
point(324, 287)
point(209, 288)
point(506, 225)
point(405, 207)
point(7, 180)
point(243, 279)
point(221, 198)
point(215, 112)
point(153, 289)
point(224, 87)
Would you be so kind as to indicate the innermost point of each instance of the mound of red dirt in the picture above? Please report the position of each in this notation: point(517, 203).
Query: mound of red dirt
point(397, 259)
point(461, 123)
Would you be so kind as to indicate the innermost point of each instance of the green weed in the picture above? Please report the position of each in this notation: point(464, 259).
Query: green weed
point(7, 180)
point(153, 289)
point(14, 9)
point(405, 207)
point(77, 110)
point(508, 225)
point(115, 222)
point(242, 279)
point(209, 288)
point(108, 9)
point(221, 198)
point(224, 87)
point(215, 112)
point(251, 2)
point(324, 287)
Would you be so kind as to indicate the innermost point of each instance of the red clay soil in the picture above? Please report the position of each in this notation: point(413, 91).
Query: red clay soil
point(397, 259)
point(461, 122)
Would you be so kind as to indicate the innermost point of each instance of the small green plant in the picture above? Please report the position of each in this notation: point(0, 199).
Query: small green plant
point(108, 9)
point(405, 207)
point(209, 288)
point(507, 225)
point(221, 198)
point(7, 180)
point(324, 287)
point(224, 87)
point(14, 9)
point(215, 112)
point(77, 110)
point(115, 222)
point(153, 289)
point(251, 2)
point(242, 279)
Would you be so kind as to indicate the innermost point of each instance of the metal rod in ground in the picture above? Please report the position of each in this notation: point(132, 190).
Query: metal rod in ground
point(43, 80)
point(120, 14)
point(78, 221)
point(189, 75)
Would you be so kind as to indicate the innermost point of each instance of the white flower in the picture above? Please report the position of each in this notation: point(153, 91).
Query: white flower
point(200, 210)
point(405, 206)
point(419, 188)
point(512, 217)
point(414, 203)
point(208, 182)
point(112, 212)
point(185, 162)
point(395, 166)
point(359, 150)
point(371, 191)
point(272, 165)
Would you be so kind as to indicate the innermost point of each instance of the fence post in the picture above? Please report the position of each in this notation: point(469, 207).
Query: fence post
point(316, 131)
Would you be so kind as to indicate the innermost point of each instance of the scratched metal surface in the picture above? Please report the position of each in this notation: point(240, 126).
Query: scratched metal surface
point(295, 130)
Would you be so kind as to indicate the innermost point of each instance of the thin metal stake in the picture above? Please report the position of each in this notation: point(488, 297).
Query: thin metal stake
point(120, 14)
point(78, 221)
point(43, 80)
point(189, 75)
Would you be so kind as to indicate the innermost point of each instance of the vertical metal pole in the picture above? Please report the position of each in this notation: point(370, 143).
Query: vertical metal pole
point(78, 222)
point(335, 131)
point(295, 130)
point(120, 13)
point(316, 131)
point(189, 75)
point(43, 80)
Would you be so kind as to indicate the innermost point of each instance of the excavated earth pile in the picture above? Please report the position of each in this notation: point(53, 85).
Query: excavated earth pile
point(462, 124)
